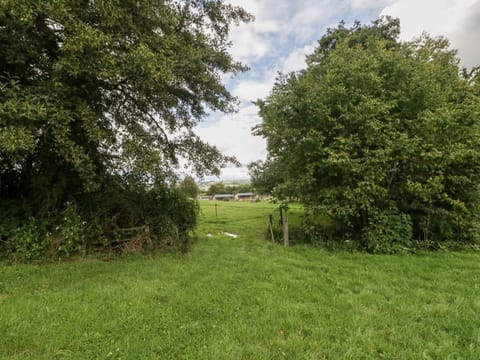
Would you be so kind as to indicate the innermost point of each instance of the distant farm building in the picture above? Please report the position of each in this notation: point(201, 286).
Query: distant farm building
point(223, 197)
point(206, 197)
point(245, 196)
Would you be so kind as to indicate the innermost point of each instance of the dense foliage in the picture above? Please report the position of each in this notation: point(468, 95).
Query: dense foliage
point(101, 97)
point(381, 135)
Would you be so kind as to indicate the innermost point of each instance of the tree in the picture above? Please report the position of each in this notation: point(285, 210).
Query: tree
point(381, 135)
point(217, 188)
point(243, 188)
point(99, 87)
point(266, 176)
point(189, 187)
point(95, 93)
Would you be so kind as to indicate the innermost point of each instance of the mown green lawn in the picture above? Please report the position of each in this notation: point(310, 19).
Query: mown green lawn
point(244, 298)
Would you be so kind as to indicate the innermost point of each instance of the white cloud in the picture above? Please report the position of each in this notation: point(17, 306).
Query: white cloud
point(365, 4)
point(254, 40)
point(278, 22)
point(232, 135)
point(296, 59)
point(253, 89)
point(237, 173)
point(467, 36)
point(252, 6)
point(441, 17)
point(248, 45)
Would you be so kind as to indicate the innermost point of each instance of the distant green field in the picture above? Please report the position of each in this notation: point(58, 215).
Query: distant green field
point(244, 298)
point(245, 218)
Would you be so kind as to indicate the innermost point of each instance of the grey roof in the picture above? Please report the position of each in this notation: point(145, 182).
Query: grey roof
point(219, 196)
point(245, 194)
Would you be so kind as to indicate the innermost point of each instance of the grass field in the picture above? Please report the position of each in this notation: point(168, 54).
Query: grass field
point(244, 298)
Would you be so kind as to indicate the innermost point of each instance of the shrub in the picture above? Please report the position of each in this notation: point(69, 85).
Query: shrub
point(389, 232)
point(26, 242)
point(120, 219)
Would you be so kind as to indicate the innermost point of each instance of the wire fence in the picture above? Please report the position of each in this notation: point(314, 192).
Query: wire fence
point(240, 207)
point(235, 221)
point(221, 217)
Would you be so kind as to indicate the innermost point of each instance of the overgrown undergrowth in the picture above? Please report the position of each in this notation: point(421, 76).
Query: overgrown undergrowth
point(120, 219)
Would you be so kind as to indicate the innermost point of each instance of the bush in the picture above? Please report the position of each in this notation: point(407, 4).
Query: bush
point(120, 219)
point(164, 216)
point(389, 232)
point(25, 242)
point(59, 235)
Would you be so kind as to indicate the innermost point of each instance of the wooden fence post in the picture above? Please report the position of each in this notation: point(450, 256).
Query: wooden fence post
point(216, 215)
point(285, 231)
point(270, 223)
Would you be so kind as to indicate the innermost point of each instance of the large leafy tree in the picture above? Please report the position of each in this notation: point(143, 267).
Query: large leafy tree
point(382, 135)
point(98, 99)
point(89, 88)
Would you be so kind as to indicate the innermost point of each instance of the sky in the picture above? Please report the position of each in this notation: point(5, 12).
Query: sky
point(284, 31)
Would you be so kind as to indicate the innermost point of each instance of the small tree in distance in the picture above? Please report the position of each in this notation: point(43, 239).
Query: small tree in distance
point(243, 188)
point(217, 188)
point(189, 187)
